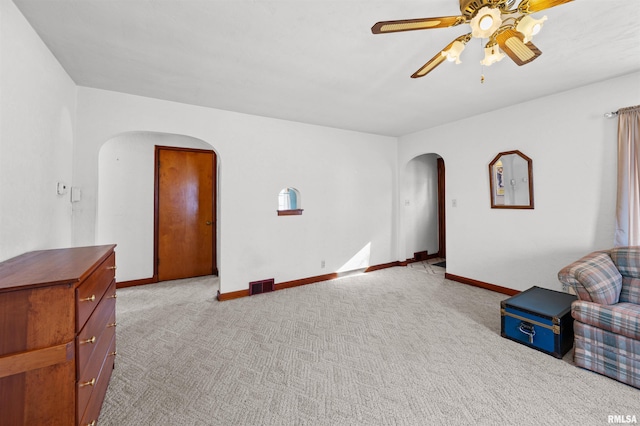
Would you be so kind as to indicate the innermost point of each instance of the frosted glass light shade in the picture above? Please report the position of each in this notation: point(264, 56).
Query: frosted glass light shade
point(529, 27)
point(485, 23)
point(453, 53)
point(492, 54)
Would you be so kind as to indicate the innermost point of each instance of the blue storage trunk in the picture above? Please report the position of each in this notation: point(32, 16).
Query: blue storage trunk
point(539, 318)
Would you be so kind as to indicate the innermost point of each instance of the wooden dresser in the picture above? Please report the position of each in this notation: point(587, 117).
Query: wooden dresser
point(57, 335)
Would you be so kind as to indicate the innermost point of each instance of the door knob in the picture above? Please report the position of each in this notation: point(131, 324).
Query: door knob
point(208, 222)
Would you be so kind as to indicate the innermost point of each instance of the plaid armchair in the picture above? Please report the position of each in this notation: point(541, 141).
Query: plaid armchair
point(607, 313)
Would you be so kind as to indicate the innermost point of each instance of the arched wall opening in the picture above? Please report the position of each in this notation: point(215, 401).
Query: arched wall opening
point(419, 203)
point(125, 205)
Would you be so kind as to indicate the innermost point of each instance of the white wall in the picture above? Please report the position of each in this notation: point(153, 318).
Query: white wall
point(37, 122)
point(346, 180)
point(573, 148)
point(126, 186)
point(419, 205)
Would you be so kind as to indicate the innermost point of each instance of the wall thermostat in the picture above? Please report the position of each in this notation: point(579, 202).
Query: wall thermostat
point(62, 188)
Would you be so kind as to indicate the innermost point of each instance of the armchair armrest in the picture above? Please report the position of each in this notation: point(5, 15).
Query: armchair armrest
point(568, 276)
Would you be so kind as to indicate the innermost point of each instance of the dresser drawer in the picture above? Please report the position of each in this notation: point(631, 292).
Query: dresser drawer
point(89, 411)
point(89, 293)
point(89, 378)
point(50, 300)
point(89, 338)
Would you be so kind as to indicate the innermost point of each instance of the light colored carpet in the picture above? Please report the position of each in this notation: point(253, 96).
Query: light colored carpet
point(400, 346)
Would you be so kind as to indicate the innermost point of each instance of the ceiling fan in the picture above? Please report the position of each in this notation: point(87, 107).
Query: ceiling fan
point(509, 29)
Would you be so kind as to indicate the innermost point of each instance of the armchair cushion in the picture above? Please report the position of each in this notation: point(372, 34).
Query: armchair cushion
point(627, 260)
point(601, 279)
point(630, 290)
point(621, 318)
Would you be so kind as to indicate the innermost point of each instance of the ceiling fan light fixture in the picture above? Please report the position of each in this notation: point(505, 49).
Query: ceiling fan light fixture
point(485, 22)
point(503, 22)
point(453, 53)
point(492, 54)
point(529, 26)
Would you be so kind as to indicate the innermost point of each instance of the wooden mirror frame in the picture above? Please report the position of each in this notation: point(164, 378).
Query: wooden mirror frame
point(492, 186)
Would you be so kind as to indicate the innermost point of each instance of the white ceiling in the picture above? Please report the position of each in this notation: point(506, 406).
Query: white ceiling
point(316, 61)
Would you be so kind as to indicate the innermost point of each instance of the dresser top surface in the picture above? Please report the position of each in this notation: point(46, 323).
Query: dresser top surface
point(51, 267)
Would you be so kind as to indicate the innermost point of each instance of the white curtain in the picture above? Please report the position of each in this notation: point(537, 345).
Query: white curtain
point(628, 203)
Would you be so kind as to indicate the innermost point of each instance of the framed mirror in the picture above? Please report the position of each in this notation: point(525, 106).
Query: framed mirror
point(289, 202)
point(511, 181)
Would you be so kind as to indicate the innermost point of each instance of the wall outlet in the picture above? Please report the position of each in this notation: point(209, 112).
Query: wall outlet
point(322, 263)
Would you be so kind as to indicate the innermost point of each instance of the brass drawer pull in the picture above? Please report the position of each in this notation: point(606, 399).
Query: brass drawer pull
point(112, 268)
point(113, 324)
point(114, 353)
point(113, 296)
point(91, 340)
point(89, 383)
point(91, 298)
point(93, 423)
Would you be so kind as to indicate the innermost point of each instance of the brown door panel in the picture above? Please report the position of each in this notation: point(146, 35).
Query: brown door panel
point(185, 213)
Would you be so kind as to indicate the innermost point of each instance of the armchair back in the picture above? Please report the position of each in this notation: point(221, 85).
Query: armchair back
point(627, 260)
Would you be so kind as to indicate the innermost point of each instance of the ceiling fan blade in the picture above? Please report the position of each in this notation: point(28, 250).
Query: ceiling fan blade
point(532, 6)
point(417, 24)
point(429, 66)
point(438, 58)
point(511, 42)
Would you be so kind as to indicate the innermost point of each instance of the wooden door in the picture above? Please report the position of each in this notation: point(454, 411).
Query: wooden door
point(442, 226)
point(185, 213)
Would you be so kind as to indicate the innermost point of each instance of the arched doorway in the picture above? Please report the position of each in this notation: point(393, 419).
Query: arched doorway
point(424, 218)
point(126, 200)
